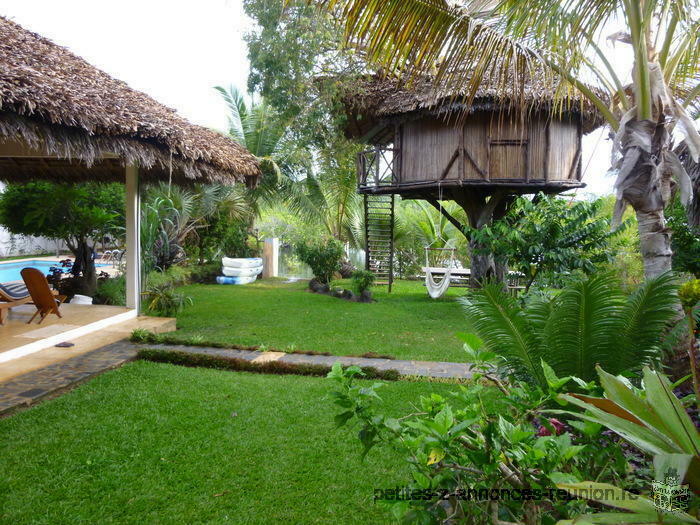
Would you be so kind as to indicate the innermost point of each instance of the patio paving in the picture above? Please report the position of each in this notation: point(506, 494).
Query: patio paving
point(54, 379)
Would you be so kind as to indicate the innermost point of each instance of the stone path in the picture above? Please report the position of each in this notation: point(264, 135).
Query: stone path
point(29, 388)
point(51, 380)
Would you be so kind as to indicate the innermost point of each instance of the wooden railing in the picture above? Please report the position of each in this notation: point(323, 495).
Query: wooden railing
point(378, 167)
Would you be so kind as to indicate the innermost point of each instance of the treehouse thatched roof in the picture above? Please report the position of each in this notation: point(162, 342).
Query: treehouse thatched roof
point(88, 125)
point(376, 98)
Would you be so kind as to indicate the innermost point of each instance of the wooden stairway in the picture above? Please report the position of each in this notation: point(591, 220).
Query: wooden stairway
point(379, 237)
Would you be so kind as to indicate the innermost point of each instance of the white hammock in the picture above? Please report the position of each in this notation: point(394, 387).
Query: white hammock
point(436, 290)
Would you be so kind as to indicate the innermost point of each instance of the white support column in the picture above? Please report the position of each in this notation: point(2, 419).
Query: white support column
point(133, 238)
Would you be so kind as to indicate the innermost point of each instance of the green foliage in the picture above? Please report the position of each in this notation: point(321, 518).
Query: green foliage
point(171, 215)
point(651, 419)
point(362, 280)
point(259, 128)
point(589, 322)
point(328, 196)
point(323, 257)
point(221, 237)
point(480, 438)
point(74, 213)
point(70, 212)
point(205, 273)
point(294, 50)
point(160, 295)
point(141, 335)
point(549, 235)
point(685, 241)
point(111, 291)
point(689, 293)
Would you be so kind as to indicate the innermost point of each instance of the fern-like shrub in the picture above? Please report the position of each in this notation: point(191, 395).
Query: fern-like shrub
point(590, 322)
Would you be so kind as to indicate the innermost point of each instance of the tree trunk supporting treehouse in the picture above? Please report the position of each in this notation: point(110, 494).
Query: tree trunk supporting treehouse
point(481, 209)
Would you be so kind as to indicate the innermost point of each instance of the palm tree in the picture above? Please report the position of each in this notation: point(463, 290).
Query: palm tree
point(329, 198)
point(509, 41)
point(257, 127)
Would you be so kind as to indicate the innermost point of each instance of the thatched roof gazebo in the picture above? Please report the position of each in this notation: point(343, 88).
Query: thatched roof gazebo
point(64, 120)
point(479, 148)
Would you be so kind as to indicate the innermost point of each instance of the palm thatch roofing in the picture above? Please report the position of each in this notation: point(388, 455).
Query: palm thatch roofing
point(379, 98)
point(88, 125)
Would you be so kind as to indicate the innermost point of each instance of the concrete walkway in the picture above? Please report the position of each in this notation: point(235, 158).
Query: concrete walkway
point(52, 380)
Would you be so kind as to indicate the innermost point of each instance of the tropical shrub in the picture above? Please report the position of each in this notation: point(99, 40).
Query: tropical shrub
point(172, 216)
point(689, 293)
point(481, 439)
point(220, 237)
point(164, 300)
point(205, 273)
point(589, 322)
point(362, 280)
point(160, 295)
point(549, 236)
point(685, 241)
point(111, 291)
point(322, 256)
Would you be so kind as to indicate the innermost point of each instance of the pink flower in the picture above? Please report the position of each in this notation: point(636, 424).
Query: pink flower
point(558, 428)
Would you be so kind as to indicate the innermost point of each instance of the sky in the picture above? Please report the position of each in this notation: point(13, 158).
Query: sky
point(178, 50)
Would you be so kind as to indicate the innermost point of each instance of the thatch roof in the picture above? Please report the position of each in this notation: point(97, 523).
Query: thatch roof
point(54, 101)
point(377, 98)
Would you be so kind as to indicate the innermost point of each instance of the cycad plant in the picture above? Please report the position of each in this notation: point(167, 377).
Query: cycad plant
point(590, 322)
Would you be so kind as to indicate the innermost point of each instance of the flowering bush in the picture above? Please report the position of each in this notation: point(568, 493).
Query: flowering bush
point(484, 439)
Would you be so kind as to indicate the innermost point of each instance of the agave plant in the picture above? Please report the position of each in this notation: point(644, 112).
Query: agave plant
point(589, 322)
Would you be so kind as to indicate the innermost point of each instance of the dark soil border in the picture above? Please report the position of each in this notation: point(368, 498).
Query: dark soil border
point(197, 360)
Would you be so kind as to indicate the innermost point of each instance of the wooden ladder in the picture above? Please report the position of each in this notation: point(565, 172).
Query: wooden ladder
point(379, 238)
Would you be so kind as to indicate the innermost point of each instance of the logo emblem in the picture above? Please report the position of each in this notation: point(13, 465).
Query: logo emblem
point(670, 495)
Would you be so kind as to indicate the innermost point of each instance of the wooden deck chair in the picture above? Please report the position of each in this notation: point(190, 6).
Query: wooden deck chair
point(12, 295)
point(12, 292)
point(43, 297)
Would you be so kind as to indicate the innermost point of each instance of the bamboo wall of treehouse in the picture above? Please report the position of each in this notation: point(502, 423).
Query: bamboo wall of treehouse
point(489, 147)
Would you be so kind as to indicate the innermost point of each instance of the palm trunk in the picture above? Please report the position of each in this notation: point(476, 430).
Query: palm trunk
point(655, 242)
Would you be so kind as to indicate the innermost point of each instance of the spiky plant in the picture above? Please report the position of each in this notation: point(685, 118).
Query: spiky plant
point(590, 322)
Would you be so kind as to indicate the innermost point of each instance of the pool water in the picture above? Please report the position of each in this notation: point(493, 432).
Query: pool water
point(10, 271)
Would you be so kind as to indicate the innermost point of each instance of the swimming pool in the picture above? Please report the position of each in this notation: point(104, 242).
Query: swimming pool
point(10, 271)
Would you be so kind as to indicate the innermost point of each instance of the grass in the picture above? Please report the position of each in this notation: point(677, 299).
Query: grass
point(406, 324)
point(26, 256)
point(157, 443)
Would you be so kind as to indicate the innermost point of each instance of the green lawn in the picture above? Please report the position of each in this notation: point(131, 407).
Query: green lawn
point(154, 443)
point(406, 324)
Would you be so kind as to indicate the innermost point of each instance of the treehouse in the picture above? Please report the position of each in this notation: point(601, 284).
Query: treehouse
point(428, 143)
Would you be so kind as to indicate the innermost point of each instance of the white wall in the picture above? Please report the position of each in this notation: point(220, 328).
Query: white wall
point(20, 244)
